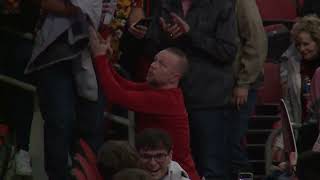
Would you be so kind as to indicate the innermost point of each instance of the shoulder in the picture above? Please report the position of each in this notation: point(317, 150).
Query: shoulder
point(177, 172)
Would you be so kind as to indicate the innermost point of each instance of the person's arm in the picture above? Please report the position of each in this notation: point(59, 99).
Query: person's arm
point(58, 7)
point(146, 101)
point(253, 51)
point(124, 83)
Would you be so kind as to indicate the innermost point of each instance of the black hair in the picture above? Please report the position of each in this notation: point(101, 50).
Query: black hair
point(153, 139)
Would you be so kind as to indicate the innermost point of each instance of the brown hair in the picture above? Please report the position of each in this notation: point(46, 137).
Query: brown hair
point(115, 156)
point(153, 139)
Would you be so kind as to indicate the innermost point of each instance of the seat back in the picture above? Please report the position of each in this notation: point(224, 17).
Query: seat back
point(278, 10)
point(85, 163)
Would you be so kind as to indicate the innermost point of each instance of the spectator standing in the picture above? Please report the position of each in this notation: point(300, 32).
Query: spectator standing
point(248, 77)
point(69, 99)
point(16, 33)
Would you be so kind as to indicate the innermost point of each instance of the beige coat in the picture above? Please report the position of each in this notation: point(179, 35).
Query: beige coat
point(252, 44)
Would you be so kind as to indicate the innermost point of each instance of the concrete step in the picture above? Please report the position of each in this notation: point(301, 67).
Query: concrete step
point(267, 109)
point(263, 121)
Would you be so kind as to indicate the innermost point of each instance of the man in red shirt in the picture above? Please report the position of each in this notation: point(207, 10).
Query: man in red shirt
point(159, 100)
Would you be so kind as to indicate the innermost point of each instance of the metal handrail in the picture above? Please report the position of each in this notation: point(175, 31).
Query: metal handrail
point(17, 83)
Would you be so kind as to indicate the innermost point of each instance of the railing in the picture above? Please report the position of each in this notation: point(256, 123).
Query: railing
point(129, 122)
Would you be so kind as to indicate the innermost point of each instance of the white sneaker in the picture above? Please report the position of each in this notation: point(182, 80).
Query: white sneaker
point(23, 166)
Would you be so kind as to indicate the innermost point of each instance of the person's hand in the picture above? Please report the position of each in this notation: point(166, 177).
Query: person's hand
point(239, 96)
point(177, 28)
point(138, 31)
point(98, 45)
point(283, 166)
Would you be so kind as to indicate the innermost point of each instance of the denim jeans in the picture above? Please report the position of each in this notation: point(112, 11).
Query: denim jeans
point(66, 116)
point(239, 125)
point(209, 132)
point(15, 52)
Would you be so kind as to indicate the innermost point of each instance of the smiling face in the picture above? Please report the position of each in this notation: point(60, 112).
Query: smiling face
point(307, 47)
point(164, 69)
point(156, 162)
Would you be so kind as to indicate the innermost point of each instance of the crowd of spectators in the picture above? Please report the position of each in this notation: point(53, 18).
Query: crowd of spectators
point(194, 66)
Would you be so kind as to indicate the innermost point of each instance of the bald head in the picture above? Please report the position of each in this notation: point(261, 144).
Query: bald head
point(168, 67)
point(182, 64)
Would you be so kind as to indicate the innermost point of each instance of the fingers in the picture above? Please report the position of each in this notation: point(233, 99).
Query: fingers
point(92, 33)
point(178, 20)
point(175, 30)
point(138, 31)
point(239, 101)
point(178, 34)
point(163, 24)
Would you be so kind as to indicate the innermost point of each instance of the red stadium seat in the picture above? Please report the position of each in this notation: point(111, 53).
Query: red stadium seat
point(85, 164)
point(277, 10)
point(270, 92)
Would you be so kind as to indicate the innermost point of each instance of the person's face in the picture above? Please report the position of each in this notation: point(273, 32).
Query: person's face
point(156, 162)
point(307, 47)
point(163, 70)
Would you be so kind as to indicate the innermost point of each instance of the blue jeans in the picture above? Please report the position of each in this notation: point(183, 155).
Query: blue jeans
point(66, 116)
point(15, 52)
point(239, 125)
point(209, 132)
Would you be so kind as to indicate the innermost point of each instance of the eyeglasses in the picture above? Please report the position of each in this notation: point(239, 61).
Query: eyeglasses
point(159, 157)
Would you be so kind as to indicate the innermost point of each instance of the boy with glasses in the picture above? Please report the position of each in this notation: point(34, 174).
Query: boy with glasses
point(155, 150)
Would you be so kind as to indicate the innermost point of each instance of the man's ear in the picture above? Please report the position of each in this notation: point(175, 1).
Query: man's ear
point(170, 153)
point(176, 78)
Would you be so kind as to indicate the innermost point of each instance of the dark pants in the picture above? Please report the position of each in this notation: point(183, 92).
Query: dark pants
point(209, 132)
point(15, 52)
point(239, 125)
point(66, 116)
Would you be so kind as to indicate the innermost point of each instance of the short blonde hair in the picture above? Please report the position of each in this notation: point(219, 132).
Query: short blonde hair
point(309, 24)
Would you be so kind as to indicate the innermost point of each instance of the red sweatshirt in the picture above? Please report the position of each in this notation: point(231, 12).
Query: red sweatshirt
point(157, 108)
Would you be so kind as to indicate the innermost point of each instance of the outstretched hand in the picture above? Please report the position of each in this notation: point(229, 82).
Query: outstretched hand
point(98, 45)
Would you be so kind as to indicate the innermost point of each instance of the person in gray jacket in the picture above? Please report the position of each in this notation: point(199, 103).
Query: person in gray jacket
point(248, 69)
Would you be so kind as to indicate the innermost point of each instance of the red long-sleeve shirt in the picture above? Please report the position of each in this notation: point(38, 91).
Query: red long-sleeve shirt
point(157, 108)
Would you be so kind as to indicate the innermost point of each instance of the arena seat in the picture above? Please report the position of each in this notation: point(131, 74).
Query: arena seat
point(278, 10)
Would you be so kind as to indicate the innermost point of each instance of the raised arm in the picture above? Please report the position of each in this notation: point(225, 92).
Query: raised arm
point(142, 100)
